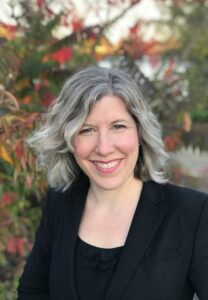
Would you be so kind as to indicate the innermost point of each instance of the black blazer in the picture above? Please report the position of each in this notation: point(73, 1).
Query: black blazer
point(165, 256)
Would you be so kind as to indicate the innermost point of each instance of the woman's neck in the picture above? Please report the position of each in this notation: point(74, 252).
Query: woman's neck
point(115, 198)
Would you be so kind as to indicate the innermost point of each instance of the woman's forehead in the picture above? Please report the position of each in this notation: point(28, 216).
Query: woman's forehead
point(109, 107)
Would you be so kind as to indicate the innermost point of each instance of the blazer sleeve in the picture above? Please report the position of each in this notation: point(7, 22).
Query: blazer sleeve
point(33, 284)
point(199, 268)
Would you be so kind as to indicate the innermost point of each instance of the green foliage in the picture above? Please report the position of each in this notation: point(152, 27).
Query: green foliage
point(188, 23)
point(8, 289)
point(200, 116)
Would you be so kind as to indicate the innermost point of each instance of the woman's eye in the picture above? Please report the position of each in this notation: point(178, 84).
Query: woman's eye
point(86, 131)
point(119, 126)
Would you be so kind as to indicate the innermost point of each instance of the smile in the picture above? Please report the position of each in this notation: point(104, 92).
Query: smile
point(108, 165)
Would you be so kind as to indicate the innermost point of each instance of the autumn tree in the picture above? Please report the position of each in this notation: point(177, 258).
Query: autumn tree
point(187, 22)
point(35, 59)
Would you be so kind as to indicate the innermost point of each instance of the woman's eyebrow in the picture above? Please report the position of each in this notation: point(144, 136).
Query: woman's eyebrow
point(113, 122)
point(121, 120)
point(87, 124)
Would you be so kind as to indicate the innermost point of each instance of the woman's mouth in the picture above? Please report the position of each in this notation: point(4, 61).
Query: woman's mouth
point(107, 167)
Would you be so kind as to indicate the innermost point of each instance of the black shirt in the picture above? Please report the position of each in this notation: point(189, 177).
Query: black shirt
point(94, 268)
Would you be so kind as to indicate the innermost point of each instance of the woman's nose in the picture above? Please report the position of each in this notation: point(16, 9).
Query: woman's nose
point(104, 145)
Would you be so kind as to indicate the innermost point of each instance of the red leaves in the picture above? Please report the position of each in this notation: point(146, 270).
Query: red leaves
point(117, 2)
point(19, 149)
point(77, 24)
point(47, 98)
point(61, 56)
point(37, 86)
point(134, 29)
point(44, 8)
point(6, 200)
point(7, 31)
point(170, 68)
point(15, 246)
point(136, 46)
point(40, 84)
point(171, 142)
point(40, 2)
point(26, 100)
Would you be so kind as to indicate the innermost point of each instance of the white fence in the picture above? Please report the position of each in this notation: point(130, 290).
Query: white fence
point(192, 166)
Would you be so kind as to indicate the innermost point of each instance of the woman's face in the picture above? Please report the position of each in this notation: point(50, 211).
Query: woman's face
point(107, 146)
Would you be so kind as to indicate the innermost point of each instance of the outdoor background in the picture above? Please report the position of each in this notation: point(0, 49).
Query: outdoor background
point(163, 44)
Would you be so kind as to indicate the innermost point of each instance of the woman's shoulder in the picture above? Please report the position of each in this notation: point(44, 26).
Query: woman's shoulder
point(185, 199)
point(177, 192)
point(56, 198)
point(184, 191)
point(53, 205)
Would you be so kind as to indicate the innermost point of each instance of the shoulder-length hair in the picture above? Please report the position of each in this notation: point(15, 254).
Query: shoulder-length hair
point(54, 140)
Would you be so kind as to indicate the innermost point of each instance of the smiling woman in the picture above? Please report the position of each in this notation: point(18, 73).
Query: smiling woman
point(112, 227)
point(68, 114)
point(106, 147)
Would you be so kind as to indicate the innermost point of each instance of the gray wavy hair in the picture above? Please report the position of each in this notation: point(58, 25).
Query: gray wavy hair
point(53, 141)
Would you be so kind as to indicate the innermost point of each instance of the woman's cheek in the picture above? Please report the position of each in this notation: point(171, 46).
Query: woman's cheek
point(82, 148)
point(129, 143)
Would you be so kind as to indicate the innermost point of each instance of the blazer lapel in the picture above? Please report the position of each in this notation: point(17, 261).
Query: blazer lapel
point(75, 201)
point(146, 221)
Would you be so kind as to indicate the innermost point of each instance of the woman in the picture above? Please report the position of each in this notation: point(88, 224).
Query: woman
point(112, 227)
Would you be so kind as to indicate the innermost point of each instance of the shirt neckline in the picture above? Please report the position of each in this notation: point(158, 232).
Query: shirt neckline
point(87, 245)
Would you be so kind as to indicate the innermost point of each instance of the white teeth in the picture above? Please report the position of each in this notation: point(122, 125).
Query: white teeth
point(106, 165)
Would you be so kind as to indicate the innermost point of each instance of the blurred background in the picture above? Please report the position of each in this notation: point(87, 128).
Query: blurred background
point(162, 43)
